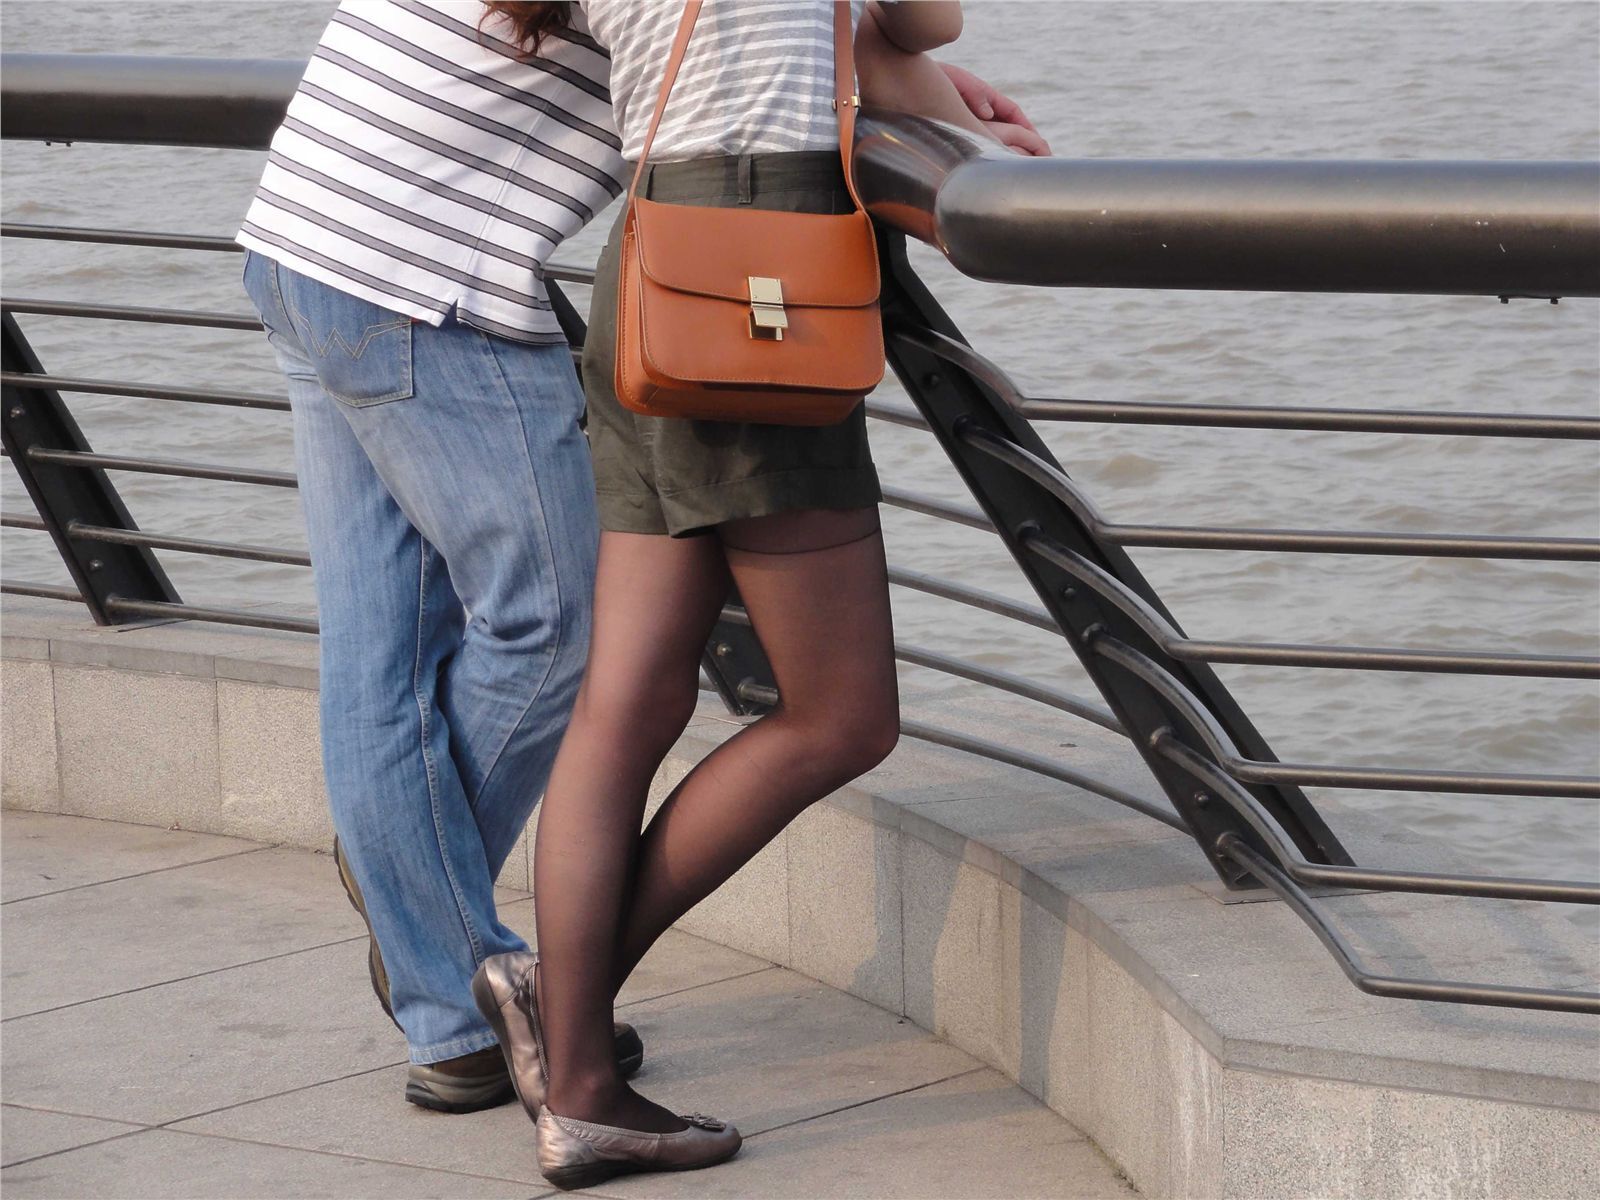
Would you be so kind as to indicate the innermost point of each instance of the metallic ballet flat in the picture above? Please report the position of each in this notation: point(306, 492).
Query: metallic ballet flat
point(502, 988)
point(578, 1154)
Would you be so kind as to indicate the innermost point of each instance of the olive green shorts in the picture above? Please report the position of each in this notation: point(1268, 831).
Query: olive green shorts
point(673, 476)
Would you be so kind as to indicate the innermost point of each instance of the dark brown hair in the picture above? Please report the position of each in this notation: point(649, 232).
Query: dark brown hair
point(530, 21)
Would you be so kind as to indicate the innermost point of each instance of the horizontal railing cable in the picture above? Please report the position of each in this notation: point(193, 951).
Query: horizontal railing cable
point(1313, 541)
point(161, 466)
point(897, 414)
point(1359, 658)
point(34, 523)
point(568, 273)
point(949, 589)
point(44, 591)
point(1004, 681)
point(132, 312)
point(1499, 995)
point(120, 237)
point(1247, 770)
point(219, 616)
point(1437, 883)
point(959, 514)
point(146, 391)
point(1248, 416)
point(188, 545)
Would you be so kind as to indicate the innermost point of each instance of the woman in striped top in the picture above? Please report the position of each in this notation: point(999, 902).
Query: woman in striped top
point(787, 514)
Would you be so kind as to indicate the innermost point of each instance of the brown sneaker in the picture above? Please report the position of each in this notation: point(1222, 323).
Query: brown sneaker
point(461, 1085)
point(375, 970)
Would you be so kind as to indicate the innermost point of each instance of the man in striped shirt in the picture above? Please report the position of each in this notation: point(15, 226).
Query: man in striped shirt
point(425, 170)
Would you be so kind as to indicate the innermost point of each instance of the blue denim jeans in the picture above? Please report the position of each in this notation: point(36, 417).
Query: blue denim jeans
point(450, 510)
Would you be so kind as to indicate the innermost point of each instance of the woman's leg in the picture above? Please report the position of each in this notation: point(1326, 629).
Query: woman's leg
point(656, 601)
point(816, 588)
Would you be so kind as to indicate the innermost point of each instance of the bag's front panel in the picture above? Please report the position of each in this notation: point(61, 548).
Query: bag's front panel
point(820, 259)
point(689, 340)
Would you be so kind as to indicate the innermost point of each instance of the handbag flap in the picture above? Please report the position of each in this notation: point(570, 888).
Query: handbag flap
point(821, 260)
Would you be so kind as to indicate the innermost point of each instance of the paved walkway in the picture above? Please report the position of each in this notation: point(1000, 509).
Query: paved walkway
point(189, 1016)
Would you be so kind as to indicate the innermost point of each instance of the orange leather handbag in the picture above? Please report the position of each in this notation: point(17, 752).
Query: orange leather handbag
point(740, 314)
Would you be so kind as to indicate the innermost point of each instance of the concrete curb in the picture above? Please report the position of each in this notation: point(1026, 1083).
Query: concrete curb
point(1211, 1048)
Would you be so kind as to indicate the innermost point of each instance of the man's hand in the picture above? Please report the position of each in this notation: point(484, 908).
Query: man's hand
point(1003, 115)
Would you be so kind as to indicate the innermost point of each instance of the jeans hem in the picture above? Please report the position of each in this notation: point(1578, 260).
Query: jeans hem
point(455, 1048)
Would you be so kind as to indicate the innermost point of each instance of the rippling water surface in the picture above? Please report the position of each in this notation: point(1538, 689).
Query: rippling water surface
point(1190, 80)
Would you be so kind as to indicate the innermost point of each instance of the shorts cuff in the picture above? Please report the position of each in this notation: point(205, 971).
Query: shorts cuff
point(692, 510)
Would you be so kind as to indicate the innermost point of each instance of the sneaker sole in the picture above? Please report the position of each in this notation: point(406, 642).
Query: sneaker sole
point(466, 1098)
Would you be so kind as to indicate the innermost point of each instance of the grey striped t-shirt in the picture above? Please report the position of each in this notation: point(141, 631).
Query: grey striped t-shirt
point(757, 77)
point(426, 166)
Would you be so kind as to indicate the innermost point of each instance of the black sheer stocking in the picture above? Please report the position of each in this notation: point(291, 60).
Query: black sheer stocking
point(816, 588)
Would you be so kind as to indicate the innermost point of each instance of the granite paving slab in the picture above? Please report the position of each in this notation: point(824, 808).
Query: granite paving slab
point(159, 1164)
point(42, 853)
point(164, 925)
point(974, 1135)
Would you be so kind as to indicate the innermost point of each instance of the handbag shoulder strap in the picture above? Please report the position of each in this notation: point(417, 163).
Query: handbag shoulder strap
point(845, 100)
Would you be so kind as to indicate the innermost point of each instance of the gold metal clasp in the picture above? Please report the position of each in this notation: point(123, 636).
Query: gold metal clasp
point(767, 318)
point(851, 101)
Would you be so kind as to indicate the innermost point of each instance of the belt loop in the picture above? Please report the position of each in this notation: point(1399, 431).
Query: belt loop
point(744, 178)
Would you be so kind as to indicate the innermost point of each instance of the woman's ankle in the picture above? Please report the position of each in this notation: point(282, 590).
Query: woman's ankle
point(613, 1103)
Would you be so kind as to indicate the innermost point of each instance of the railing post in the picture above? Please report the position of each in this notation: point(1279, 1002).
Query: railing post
point(37, 419)
point(954, 402)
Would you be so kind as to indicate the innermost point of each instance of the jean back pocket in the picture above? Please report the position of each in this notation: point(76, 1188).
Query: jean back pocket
point(360, 351)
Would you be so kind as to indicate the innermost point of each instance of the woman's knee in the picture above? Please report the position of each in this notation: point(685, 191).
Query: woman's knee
point(650, 713)
point(873, 738)
point(847, 741)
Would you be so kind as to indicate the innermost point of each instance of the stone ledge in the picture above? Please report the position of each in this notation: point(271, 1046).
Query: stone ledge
point(1212, 1049)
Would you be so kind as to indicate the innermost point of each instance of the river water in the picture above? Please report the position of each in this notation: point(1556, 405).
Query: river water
point(1184, 80)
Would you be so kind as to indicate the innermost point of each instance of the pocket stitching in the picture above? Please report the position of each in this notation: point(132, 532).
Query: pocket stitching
point(368, 335)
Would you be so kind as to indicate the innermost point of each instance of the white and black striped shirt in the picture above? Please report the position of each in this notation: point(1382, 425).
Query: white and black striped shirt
point(424, 166)
point(757, 76)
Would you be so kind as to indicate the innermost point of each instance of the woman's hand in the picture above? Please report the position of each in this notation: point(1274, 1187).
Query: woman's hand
point(1002, 116)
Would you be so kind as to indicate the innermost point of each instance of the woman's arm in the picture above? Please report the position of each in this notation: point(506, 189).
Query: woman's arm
point(918, 27)
point(893, 76)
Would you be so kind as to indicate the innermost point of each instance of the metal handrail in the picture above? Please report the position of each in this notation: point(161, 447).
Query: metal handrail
point(1411, 227)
